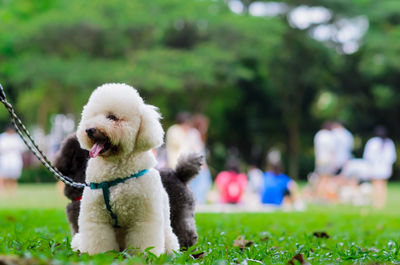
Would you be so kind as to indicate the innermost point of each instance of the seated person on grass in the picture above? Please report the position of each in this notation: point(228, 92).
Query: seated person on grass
point(230, 183)
point(277, 188)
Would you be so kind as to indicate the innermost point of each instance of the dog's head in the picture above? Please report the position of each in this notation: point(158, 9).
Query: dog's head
point(116, 122)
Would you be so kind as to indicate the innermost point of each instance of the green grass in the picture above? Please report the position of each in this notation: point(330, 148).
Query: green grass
point(34, 196)
point(33, 228)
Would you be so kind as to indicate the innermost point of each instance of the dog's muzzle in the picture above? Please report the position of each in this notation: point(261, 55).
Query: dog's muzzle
point(91, 132)
point(100, 141)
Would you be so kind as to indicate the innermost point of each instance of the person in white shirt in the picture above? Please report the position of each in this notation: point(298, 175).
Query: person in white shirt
point(344, 145)
point(11, 149)
point(325, 162)
point(201, 184)
point(179, 138)
point(183, 138)
point(325, 148)
point(380, 153)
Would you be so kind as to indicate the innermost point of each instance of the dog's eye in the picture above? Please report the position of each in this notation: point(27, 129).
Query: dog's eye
point(112, 117)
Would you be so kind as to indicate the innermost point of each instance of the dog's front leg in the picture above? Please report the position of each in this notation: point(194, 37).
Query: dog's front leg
point(95, 225)
point(147, 234)
point(97, 238)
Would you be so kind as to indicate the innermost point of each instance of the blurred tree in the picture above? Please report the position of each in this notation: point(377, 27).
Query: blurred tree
point(298, 71)
point(259, 79)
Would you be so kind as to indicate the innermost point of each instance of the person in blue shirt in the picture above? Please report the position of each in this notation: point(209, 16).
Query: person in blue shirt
point(276, 186)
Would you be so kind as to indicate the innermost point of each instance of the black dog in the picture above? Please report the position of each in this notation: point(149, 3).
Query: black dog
point(71, 160)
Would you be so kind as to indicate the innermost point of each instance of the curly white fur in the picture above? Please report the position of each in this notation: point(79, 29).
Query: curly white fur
point(141, 204)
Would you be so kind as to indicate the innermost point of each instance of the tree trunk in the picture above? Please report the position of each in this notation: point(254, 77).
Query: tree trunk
point(43, 113)
point(294, 147)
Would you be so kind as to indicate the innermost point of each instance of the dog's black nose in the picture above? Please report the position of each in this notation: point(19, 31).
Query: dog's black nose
point(91, 131)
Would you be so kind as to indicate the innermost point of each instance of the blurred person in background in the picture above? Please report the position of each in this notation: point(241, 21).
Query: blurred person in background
point(356, 190)
point(255, 176)
point(230, 183)
point(11, 149)
point(201, 184)
point(380, 153)
point(201, 124)
point(178, 138)
point(182, 138)
point(278, 189)
point(325, 163)
point(344, 143)
point(161, 155)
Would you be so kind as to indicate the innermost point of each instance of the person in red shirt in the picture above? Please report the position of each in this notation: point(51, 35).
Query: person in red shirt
point(230, 183)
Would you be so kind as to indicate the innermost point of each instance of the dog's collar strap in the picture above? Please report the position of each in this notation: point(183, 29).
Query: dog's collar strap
point(105, 186)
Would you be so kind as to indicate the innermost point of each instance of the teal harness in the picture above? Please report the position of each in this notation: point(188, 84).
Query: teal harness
point(105, 186)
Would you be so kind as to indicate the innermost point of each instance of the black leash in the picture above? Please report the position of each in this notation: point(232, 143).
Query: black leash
point(30, 143)
point(2, 94)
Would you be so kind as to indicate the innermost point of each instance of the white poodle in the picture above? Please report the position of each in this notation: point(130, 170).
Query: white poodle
point(126, 205)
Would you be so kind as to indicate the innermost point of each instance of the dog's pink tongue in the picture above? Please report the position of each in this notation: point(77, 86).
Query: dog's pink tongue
point(95, 150)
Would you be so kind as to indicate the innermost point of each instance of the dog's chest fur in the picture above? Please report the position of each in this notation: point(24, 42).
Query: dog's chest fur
point(136, 199)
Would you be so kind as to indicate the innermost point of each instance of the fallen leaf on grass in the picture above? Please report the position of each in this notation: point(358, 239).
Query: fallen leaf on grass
point(11, 218)
point(298, 259)
point(321, 234)
point(199, 255)
point(242, 243)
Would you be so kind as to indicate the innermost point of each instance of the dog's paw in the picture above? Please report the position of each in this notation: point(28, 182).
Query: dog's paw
point(171, 244)
point(75, 243)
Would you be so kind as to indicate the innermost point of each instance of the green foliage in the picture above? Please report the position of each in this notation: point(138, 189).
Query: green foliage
point(70, 48)
point(36, 175)
point(257, 78)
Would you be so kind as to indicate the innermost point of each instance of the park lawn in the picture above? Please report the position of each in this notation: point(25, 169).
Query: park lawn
point(39, 234)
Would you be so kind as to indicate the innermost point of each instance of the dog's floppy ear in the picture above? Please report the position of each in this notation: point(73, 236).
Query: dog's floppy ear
point(151, 133)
